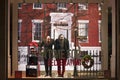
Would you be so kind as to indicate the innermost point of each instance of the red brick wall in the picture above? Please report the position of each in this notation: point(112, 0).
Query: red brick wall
point(27, 14)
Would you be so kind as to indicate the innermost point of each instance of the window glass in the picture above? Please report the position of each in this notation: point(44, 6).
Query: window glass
point(37, 5)
point(61, 5)
point(36, 31)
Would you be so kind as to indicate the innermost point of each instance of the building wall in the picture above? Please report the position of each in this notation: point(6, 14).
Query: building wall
point(27, 13)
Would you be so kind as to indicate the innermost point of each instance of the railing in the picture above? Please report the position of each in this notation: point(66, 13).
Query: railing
point(94, 69)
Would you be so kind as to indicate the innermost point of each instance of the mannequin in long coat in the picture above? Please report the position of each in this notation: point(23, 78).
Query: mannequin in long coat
point(48, 54)
point(61, 54)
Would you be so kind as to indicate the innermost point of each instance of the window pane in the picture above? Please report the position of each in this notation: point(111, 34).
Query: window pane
point(37, 32)
point(19, 30)
point(82, 29)
point(61, 5)
point(37, 5)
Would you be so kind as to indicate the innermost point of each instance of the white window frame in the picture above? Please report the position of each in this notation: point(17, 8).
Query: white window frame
point(83, 6)
point(33, 29)
point(61, 7)
point(83, 22)
point(37, 7)
point(19, 29)
point(99, 28)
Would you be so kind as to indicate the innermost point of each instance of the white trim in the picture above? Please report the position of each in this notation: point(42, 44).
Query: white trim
point(32, 66)
point(89, 48)
point(99, 29)
point(83, 21)
point(19, 41)
point(62, 8)
point(37, 20)
point(99, 6)
point(20, 21)
point(99, 21)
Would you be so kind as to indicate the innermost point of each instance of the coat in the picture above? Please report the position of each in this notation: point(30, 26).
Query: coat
point(48, 52)
point(61, 52)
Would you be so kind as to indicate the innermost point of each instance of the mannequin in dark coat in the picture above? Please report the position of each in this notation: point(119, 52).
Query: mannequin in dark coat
point(61, 54)
point(48, 54)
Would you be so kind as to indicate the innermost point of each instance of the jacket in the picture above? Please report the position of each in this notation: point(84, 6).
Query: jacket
point(61, 52)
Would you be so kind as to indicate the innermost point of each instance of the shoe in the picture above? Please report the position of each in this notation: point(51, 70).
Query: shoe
point(46, 75)
point(50, 75)
point(59, 75)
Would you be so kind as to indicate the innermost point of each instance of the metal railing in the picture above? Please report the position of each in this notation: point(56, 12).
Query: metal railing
point(95, 71)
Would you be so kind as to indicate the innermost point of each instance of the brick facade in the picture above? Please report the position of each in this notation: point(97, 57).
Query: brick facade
point(27, 14)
